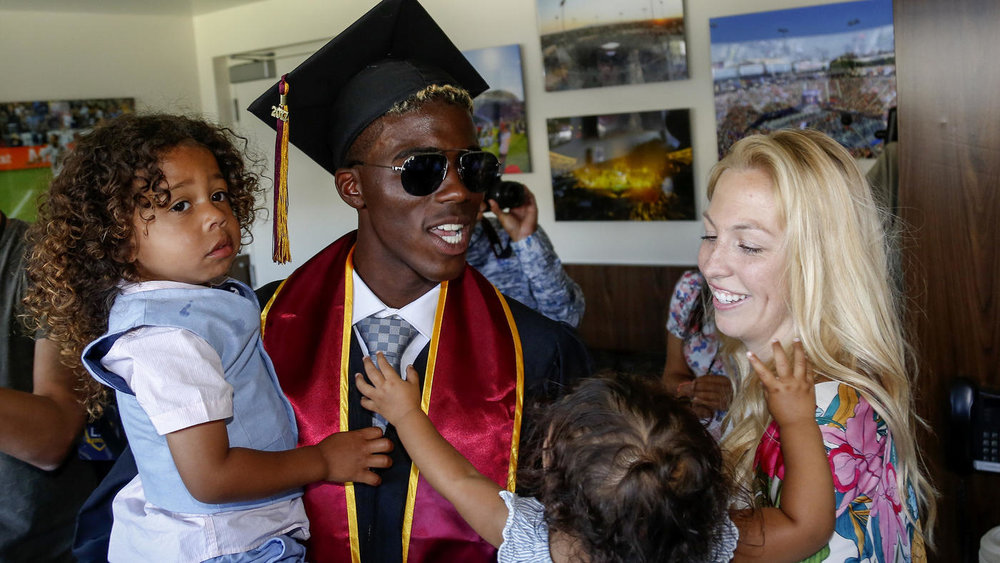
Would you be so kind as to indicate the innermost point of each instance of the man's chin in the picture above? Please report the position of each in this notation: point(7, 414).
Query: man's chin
point(447, 270)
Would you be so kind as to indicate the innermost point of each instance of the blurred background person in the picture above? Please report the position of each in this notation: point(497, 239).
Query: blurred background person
point(512, 250)
point(694, 369)
point(43, 481)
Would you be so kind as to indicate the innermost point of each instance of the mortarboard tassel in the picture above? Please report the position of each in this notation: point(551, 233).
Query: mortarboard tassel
point(281, 252)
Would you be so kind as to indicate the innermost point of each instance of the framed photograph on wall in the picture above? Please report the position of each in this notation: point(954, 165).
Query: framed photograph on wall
point(594, 43)
point(500, 113)
point(622, 167)
point(830, 67)
point(34, 136)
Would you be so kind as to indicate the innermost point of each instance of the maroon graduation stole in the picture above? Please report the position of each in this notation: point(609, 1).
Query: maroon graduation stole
point(473, 392)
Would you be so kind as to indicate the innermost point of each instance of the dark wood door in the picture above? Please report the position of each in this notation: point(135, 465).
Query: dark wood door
point(949, 194)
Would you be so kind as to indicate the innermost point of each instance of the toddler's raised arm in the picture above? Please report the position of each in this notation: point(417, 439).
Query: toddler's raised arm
point(804, 521)
point(475, 496)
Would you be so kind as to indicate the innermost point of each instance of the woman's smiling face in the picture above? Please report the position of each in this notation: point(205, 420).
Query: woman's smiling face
point(742, 257)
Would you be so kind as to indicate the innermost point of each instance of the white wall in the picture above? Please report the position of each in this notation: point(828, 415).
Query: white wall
point(59, 56)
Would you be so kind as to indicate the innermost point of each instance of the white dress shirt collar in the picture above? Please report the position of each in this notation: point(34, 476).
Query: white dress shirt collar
point(419, 313)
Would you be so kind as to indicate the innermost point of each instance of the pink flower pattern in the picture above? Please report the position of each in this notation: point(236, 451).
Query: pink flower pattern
point(871, 523)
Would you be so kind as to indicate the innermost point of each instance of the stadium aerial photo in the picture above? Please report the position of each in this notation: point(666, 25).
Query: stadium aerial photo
point(595, 43)
point(830, 67)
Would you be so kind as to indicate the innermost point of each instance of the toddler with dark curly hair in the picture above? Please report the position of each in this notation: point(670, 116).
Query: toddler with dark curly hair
point(129, 268)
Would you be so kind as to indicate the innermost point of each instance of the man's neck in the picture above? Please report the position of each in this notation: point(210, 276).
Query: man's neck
point(395, 292)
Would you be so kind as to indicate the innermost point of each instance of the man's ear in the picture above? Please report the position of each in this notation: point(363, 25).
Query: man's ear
point(349, 187)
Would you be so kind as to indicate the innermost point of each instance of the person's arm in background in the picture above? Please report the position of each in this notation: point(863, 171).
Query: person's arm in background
point(41, 427)
point(556, 295)
point(675, 370)
point(709, 392)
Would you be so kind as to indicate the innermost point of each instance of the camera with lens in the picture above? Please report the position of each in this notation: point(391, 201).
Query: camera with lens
point(508, 194)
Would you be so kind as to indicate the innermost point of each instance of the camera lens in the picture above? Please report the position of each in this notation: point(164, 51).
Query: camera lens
point(507, 194)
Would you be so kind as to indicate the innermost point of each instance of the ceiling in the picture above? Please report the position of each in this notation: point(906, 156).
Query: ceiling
point(132, 7)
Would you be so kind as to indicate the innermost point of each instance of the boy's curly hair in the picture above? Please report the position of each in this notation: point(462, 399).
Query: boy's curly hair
point(81, 243)
point(628, 473)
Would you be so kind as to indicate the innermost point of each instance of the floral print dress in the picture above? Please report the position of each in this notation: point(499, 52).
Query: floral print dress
point(871, 524)
point(701, 346)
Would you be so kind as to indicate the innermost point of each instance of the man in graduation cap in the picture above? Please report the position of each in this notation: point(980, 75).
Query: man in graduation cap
point(385, 107)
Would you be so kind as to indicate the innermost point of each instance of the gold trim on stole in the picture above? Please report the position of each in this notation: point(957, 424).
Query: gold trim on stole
point(267, 307)
point(345, 356)
point(515, 439)
point(425, 402)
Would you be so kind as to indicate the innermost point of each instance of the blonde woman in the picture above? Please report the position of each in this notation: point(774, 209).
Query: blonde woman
point(794, 248)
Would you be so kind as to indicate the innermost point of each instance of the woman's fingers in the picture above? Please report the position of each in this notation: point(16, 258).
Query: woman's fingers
point(714, 391)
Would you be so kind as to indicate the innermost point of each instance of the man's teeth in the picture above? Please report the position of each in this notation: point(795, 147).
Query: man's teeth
point(726, 297)
point(454, 238)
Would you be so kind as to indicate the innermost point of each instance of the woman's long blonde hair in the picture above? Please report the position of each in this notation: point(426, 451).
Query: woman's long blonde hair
point(841, 296)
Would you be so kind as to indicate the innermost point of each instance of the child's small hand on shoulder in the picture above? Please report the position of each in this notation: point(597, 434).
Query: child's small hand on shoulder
point(388, 394)
point(349, 456)
point(790, 391)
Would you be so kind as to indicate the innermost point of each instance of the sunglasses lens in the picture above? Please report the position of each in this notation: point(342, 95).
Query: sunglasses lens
point(479, 170)
point(423, 173)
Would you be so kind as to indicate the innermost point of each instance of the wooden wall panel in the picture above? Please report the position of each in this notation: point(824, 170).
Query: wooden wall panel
point(949, 195)
point(625, 321)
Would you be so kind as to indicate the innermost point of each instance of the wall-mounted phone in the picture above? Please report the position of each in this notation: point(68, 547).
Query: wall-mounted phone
point(975, 427)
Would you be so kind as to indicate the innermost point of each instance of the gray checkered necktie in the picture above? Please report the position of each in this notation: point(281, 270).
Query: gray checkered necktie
point(389, 335)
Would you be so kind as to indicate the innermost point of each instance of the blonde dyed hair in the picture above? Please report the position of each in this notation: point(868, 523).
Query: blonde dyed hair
point(841, 297)
point(446, 93)
point(434, 92)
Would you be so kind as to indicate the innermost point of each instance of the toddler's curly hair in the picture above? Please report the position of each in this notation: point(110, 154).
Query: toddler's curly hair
point(628, 473)
point(81, 243)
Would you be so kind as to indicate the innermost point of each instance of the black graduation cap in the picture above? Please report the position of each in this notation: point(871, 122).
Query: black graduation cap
point(386, 56)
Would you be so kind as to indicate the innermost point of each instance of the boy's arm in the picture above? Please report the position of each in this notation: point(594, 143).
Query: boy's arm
point(215, 473)
point(475, 496)
point(804, 522)
point(173, 370)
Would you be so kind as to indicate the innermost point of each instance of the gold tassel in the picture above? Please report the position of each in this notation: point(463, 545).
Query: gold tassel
point(281, 251)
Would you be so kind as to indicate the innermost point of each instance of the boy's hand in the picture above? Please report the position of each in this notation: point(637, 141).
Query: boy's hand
point(388, 394)
point(349, 456)
point(791, 392)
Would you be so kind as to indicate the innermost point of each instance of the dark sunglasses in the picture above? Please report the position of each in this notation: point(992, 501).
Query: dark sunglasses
point(422, 173)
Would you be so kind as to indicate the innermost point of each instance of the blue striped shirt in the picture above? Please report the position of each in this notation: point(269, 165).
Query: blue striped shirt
point(526, 534)
point(533, 274)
